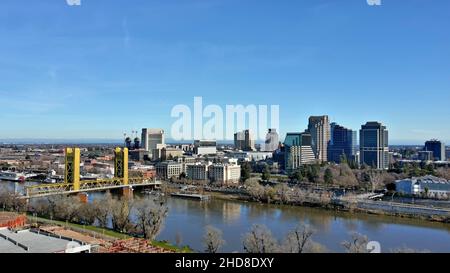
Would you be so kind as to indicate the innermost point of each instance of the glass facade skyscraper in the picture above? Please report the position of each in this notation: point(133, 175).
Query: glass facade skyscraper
point(374, 145)
point(343, 142)
point(438, 149)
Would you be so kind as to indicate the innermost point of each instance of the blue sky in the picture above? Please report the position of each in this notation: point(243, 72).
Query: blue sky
point(106, 67)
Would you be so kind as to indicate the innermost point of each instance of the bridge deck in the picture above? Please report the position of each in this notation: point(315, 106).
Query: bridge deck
point(45, 190)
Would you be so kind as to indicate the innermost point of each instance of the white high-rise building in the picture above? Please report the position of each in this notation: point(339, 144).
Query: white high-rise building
point(319, 128)
point(152, 139)
point(272, 141)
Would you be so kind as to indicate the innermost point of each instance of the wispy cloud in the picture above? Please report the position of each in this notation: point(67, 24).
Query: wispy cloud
point(126, 33)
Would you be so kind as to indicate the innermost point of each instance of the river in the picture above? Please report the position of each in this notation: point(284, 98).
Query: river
point(188, 218)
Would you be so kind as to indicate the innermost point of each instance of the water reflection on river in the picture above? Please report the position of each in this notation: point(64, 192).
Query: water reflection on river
point(188, 218)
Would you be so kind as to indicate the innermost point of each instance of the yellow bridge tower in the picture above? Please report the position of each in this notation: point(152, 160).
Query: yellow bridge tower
point(72, 173)
point(121, 164)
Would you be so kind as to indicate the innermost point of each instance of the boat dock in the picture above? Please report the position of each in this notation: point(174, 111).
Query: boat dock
point(200, 197)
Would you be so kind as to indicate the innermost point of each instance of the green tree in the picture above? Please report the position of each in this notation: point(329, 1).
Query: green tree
point(246, 170)
point(297, 176)
point(313, 172)
point(266, 173)
point(415, 171)
point(328, 176)
point(430, 169)
point(344, 159)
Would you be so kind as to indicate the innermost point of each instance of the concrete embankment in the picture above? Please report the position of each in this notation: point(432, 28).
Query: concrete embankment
point(395, 209)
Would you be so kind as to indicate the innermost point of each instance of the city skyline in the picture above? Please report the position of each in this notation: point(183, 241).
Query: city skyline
point(77, 73)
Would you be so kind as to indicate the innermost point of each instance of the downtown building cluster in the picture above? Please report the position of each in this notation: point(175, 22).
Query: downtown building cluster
point(323, 142)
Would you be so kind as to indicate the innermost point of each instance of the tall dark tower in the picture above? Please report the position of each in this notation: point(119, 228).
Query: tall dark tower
point(137, 143)
point(128, 143)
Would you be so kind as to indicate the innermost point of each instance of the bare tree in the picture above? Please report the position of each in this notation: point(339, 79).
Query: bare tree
point(376, 179)
point(87, 214)
point(284, 192)
point(357, 244)
point(150, 217)
point(254, 189)
point(213, 239)
point(260, 240)
point(120, 214)
point(67, 208)
point(10, 200)
point(299, 240)
point(102, 210)
point(41, 207)
point(443, 172)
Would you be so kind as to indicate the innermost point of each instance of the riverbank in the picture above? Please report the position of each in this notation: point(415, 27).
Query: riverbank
point(381, 208)
point(441, 215)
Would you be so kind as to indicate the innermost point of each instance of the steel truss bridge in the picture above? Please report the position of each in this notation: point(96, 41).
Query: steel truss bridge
point(73, 184)
point(45, 190)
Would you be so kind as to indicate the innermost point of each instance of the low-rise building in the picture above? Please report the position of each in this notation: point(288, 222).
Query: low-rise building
point(170, 153)
point(198, 171)
point(224, 174)
point(425, 155)
point(205, 147)
point(144, 171)
point(168, 169)
point(250, 156)
point(427, 186)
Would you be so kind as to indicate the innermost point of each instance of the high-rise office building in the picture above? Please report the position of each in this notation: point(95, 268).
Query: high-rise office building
point(244, 141)
point(438, 149)
point(272, 141)
point(152, 139)
point(298, 150)
point(319, 128)
point(342, 143)
point(374, 145)
point(239, 139)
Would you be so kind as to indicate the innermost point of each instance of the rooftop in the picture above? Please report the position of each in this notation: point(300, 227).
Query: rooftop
point(19, 242)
